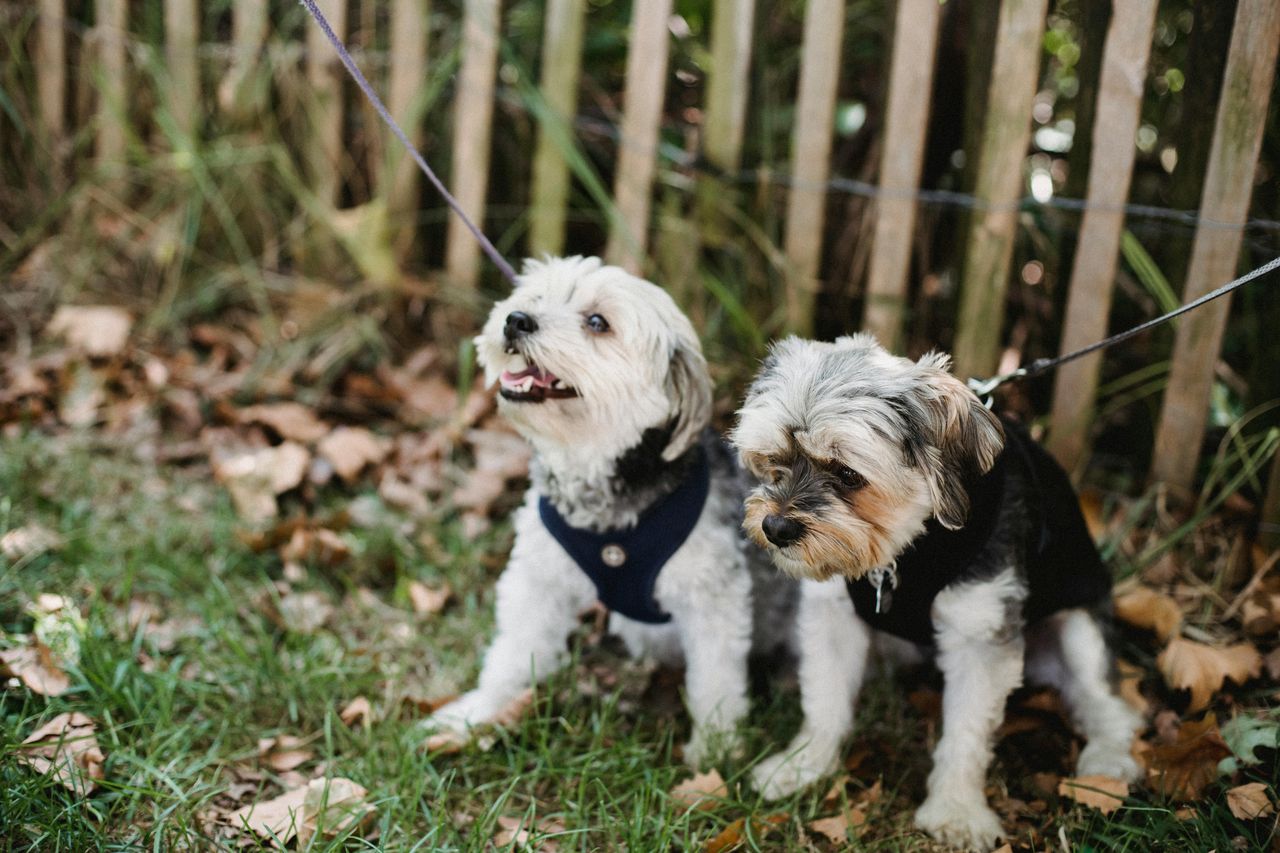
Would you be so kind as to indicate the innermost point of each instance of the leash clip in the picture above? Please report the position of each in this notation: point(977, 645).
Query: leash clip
point(983, 388)
point(878, 576)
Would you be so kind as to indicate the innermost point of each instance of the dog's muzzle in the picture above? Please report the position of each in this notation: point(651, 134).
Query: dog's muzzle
point(781, 530)
point(518, 325)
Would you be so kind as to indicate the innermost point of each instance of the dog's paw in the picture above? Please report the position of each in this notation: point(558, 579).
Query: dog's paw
point(964, 823)
point(452, 725)
point(784, 773)
point(1100, 758)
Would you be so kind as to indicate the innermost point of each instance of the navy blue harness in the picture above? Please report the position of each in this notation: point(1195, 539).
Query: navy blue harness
point(624, 564)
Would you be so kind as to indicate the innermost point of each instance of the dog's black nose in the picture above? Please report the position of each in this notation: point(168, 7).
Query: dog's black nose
point(782, 531)
point(518, 325)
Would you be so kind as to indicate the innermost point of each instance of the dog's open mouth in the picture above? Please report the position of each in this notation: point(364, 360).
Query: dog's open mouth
point(533, 385)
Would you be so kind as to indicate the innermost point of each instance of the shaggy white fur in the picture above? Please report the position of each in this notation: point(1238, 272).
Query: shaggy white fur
point(856, 451)
point(618, 363)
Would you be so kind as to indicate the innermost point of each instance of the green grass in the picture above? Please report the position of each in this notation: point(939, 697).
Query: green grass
point(596, 756)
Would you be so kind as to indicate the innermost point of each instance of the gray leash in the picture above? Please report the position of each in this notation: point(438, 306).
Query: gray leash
point(984, 387)
point(489, 249)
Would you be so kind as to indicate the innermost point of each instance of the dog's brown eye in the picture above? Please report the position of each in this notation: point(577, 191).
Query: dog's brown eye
point(598, 324)
point(850, 479)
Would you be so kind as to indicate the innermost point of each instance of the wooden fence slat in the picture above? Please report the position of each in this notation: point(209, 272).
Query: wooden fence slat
point(810, 157)
point(681, 231)
point(561, 67)
point(248, 35)
point(181, 50)
point(728, 82)
point(472, 132)
point(1120, 89)
point(325, 77)
point(1015, 76)
point(111, 38)
point(405, 76)
point(638, 146)
point(51, 79)
point(1237, 139)
point(915, 39)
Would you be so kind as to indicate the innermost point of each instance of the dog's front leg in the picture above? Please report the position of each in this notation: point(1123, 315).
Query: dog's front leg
point(833, 645)
point(715, 635)
point(539, 597)
point(980, 649)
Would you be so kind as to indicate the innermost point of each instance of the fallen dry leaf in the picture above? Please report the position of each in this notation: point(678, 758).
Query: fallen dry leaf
point(1130, 685)
point(1145, 608)
point(100, 331)
point(403, 495)
point(332, 807)
point(350, 449)
point(427, 600)
point(1201, 669)
point(292, 421)
point(276, 819)
point(735, 834)
point(499, 456)
point(30, 540)
point(1091, 509)
point(284, 752)
point(512, 830)
point(34, 665)
point(1182, 768)
point(834, 793)
point(58, 628)
point(1250, 801)
point(479, 490)
point(703, 791)
point(357, 712)
point(836, 828)
point(1100, 792)
point(430, 398)
point(67, 746)
point(317, 545)
point(255, 477)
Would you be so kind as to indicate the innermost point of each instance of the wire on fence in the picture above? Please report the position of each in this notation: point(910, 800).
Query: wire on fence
point(509, 97)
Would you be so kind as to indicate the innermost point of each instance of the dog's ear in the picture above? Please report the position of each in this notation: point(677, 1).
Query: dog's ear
point(689, 389)
point(962, 436)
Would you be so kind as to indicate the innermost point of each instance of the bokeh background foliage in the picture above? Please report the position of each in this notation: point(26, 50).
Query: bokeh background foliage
point(262, 269)
point(227, 214)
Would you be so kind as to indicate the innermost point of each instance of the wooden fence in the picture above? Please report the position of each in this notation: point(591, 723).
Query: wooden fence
point(1237, 132)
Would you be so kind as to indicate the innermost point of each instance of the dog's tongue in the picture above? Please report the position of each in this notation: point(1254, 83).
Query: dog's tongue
point(541, 378)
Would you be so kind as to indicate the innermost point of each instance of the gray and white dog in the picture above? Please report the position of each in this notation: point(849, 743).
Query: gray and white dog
point(633, 502)
point(907, 507)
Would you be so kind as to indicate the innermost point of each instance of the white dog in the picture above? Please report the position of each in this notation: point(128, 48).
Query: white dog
point(630, 502)
point(909, 508)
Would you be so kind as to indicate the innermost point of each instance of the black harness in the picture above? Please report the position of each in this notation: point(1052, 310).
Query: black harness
point(624, 564)
point(1063, 567)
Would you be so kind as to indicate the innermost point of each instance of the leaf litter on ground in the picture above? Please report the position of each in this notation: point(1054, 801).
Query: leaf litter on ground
point(329, 807)
point(67, 747)
point(405, 437)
